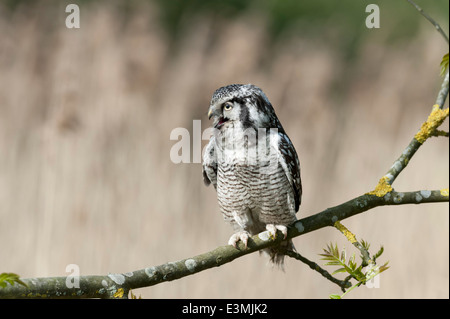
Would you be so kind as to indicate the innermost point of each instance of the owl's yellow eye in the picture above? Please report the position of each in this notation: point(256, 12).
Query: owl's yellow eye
point(228, 106)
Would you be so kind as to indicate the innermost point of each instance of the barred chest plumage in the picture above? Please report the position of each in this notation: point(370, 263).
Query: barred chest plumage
point(267, 197)
point(251, 184)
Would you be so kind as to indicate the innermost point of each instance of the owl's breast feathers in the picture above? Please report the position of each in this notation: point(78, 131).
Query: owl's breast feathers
point(267, 168)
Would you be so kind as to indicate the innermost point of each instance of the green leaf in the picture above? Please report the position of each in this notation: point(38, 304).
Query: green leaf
point(383, 268)
point(378, 254)
point(339, 271)
point(343, 256)
point(333, 263)
point(352, 263)
point(331, 253)
point(444, 64)
point(359, 275)
point(327, 257)
point(365, 244)
point(10, 278)
point(334, 296)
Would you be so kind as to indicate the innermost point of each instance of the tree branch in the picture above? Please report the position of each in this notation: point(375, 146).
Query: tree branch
point(118, 285)
point(443, 93)
point(428, 129)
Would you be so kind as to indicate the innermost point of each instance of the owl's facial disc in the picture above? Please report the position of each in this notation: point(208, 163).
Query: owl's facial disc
point(222, 113)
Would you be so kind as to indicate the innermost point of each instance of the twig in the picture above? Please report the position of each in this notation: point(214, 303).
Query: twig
point(434, 23)
point(443, 93)
point(438, 133)
point(344, 284)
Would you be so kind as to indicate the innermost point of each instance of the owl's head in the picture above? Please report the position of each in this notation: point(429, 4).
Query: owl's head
point(241, 103)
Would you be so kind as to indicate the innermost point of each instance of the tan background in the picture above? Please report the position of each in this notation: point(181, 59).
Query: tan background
point(85, 172)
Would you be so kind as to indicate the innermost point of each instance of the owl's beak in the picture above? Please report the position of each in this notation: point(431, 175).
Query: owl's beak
point(216, 112)
point(213, 109)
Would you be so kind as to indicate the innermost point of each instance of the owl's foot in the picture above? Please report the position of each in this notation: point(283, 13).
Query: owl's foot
point(272, 228)
point(240, 235)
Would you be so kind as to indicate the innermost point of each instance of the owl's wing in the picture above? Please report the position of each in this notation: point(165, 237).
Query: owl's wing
point(288, 159)
point(210, 163)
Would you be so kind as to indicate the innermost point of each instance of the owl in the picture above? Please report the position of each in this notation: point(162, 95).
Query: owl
point(253, 165)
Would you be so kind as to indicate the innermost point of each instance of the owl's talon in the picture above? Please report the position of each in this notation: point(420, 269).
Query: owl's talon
point(272, 228)
point(242, 236)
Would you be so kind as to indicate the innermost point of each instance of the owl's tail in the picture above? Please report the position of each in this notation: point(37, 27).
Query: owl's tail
point(277, 253)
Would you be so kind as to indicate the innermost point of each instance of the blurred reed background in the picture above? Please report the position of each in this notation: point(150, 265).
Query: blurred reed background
point(86, 114)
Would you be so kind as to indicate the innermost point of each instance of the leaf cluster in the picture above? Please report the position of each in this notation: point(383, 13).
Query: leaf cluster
point(444, 64)
point(10, 278)
point(336, 258)
point(133, 296)
point(355, 270)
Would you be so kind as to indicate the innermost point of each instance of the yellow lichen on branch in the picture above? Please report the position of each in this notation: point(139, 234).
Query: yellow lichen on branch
point(382, 188)
point(348, 234)
point(444, 192)
point(435, 119)
point(119, 293)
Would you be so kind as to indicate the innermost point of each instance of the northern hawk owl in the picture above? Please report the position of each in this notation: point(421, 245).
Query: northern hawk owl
point(253, 166)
